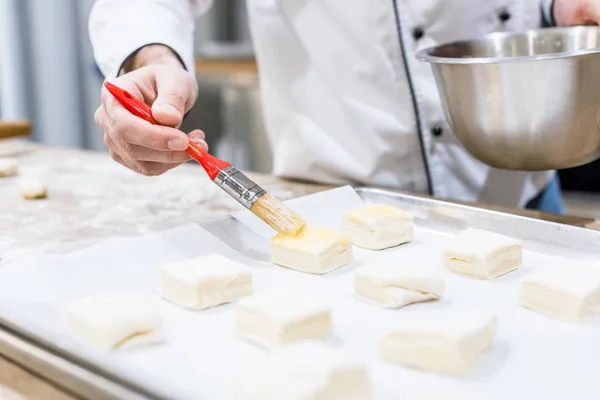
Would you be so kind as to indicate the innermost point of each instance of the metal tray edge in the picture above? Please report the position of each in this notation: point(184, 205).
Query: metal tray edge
point(68, 374)
point(460, 216)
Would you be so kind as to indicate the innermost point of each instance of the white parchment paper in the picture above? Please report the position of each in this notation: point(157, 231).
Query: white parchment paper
point(202, 357)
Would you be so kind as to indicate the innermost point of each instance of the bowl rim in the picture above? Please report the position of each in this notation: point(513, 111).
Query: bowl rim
point(426, 56)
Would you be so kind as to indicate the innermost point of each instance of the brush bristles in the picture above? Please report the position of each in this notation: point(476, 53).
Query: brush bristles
point(277, 215)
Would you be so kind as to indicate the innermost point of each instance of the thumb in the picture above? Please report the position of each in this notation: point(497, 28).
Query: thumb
point(172, 96)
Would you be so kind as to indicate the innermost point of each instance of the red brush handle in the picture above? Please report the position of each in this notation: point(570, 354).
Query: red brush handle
point(212, 165)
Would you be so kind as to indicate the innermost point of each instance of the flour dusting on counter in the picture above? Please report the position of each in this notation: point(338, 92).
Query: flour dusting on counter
point(92, 198)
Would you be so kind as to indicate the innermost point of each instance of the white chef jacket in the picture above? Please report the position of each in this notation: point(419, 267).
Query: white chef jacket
point(344, 99)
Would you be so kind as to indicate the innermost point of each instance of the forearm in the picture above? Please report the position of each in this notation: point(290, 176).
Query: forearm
point(120, 28)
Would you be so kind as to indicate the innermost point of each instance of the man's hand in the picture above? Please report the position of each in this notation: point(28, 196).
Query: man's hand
point(577, 12)
point(156, 76)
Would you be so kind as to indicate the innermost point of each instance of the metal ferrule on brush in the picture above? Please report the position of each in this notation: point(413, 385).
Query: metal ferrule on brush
point(239, 186)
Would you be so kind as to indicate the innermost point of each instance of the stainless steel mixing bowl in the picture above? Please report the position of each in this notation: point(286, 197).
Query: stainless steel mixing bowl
point(525, 101)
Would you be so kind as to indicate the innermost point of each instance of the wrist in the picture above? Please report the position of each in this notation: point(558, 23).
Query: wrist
point(153, 54)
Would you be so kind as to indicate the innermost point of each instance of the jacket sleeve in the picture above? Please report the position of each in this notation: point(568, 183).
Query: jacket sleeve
point(548, 12)
point(118, 28)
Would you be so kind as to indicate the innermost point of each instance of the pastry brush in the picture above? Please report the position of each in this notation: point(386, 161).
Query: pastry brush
point(249, 194)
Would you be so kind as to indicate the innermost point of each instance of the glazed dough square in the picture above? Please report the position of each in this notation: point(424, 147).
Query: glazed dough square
point(569, 293)
point(282, 316)
point(9, 166)
point(304, 371)
point(393, 286)
point(378, 226)
point(33, 188)
point(482, 254)
point(447, 343)
point(115, 320)
point(316, 250)
point(204, 282)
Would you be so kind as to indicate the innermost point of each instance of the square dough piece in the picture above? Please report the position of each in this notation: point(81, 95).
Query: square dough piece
point(204, 282)
point(568, 293)
point(448, 343)
point(282, 316)
point(115, 320)
point(482, 254)
point(33, 188)
point(394, 286)
point(378, 226)
point(9, 166)
point(304, 371)
point(316, 250)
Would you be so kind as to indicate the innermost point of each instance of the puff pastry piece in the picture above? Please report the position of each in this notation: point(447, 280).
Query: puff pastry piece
point(448, 343)
point(33, 188)
point(304, 371)
point(9, 166)
point(282, 316)
point(204, 282)
point(315, 250)
point(569, 293)
point(378, 226)
point(394, 286)
point(115, 320)
point(482, 254)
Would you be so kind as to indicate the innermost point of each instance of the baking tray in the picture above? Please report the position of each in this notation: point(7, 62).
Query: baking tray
point(87, 380)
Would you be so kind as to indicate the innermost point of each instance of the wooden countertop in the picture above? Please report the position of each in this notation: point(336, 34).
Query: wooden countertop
point(209, 66)
point(91, 198)
point(10, 129)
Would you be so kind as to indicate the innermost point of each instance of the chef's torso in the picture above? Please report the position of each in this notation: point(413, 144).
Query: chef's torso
point(345, 100)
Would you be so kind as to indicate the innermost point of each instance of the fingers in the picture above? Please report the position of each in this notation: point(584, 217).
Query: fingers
point(197, 137)
point(130, 142)
point(126, 128)
point(176, 93)
point(137, 144)
point(147, 168)
point(140, 153)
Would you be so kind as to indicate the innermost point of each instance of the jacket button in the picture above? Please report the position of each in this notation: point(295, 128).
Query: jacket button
point(418, 33)
point(504, 16)
point(437, 131)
